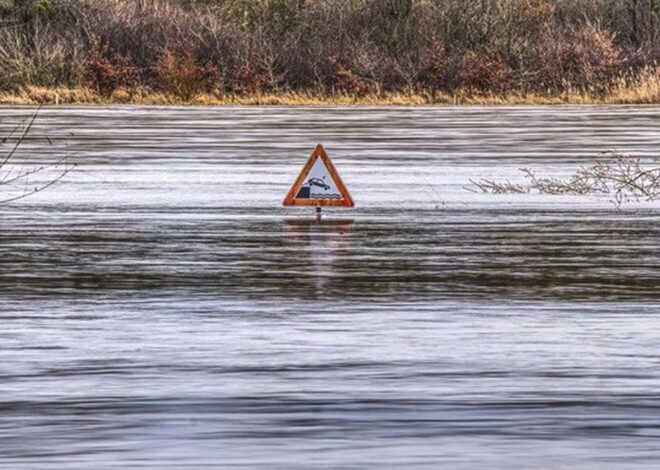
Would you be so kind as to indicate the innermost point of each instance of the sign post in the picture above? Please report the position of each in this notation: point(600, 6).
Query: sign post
point(319, 185)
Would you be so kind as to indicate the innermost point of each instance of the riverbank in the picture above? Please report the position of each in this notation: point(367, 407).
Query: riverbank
point(323, 52)
point(645, 91)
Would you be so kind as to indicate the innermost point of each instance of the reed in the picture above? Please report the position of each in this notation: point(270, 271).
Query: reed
point(639, 93)
point(641, 89)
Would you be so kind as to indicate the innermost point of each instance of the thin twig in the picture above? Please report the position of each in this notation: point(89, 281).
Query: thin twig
point(622, 176)
point(21, 138)
point(40, 188)
point(33, 171)
point(11, 176)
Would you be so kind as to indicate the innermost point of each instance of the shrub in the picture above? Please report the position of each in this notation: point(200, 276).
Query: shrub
point(585, 59)
point(346, 81)
point(107, 74)
point(485, 72)
point(250, 78)
point(180, 73)
point(434, 69)
point(355, 47)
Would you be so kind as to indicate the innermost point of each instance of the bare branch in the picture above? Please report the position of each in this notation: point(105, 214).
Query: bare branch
point(38, 189)
point(622, 176)
point(6, 180)
point(17, 173)
point(21, 138)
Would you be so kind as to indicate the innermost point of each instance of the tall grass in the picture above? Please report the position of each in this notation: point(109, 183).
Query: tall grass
point(362, 50)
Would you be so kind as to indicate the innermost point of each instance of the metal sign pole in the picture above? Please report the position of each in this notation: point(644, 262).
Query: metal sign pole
point(318, 213)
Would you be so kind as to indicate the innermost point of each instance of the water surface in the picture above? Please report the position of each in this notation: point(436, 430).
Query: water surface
point(160, 309)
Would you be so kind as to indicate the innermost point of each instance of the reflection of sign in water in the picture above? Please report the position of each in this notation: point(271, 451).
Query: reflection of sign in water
point(323, 251)
point(319, 184)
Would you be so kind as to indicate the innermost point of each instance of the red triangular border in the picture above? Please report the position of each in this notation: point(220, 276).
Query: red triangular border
point(345, 201)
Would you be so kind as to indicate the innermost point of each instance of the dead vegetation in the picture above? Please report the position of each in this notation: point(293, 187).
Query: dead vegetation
point(18, 177)
point(490, 51)
point(622, 177)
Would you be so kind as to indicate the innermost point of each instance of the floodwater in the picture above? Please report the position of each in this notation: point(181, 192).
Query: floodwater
point(160, 309)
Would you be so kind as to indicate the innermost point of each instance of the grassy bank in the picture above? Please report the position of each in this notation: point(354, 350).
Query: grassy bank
point(644, 90)
point(329, 51)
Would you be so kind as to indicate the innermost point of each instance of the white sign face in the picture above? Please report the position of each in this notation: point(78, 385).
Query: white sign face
point(319, 184)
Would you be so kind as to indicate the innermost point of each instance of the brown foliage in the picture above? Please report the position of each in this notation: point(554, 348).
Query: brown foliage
point(435, 69)
point(485, 72)
point(185, 47)
point(346, 81)
point(249, 78)
point(584, 59)
point(536, 14)
point(105, 71)
point(179, 72)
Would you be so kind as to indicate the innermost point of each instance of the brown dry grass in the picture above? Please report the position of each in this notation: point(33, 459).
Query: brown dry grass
point(348, 52)
point(642, 89)
point(645, 89)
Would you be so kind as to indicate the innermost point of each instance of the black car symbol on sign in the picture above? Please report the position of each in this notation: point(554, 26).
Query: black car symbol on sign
point(318, 182)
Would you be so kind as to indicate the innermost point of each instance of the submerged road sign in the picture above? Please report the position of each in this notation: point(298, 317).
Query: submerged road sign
point(319, 184)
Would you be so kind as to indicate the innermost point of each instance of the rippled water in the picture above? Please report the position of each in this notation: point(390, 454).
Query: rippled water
point(160, 309)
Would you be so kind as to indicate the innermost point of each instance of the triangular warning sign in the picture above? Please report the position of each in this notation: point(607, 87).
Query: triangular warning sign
point(319, 184)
